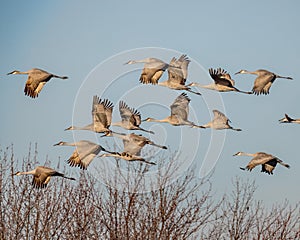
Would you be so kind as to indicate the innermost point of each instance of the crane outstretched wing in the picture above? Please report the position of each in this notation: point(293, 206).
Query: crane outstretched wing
point(129, 114)
point(102, 112)
point(37, 78)
point(222, 77)
point(180, 107)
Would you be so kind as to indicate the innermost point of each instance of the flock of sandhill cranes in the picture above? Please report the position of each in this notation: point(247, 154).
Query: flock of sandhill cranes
point(86, 151)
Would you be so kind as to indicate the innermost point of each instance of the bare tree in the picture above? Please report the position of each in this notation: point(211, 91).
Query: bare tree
point(242, 217)
point(168, 209)
point(165, 207)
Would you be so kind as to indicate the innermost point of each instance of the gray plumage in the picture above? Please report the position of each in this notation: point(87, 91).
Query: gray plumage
point(177, 75)
point(134, 143)
point(42, 176)
point(127, 157)
point(84, 153)
point(219, 122)
point(101, 114)
point(152, 71)
point(267, 161)
point(36, 80)
point(131, 118)
point(179, 112)
point(222, 82)
point(264, 80)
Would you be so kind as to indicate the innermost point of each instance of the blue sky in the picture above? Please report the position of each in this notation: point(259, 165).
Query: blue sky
point(74, 37)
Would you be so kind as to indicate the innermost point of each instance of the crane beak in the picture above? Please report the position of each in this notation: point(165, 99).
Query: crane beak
point(10, 73)
point(235, 154)
point(237, 72)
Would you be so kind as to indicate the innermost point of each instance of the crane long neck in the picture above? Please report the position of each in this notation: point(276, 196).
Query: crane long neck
point(209, 86)
point(119, 124)
point(160, 120)
point(87, 127)
point(19, 72)
point(250, 72)
point(145, 60)
point(69, 143)
point(138, 61)
point(163, 83)
point(119, 135)
point(108, 155)
point(247, 154)
point(27, 173)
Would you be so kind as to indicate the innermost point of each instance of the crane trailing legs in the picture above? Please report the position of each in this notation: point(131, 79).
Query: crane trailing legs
point(42, 176)
point(264, 80)
point(219, 122)
point(84, 153)
point(179, 113)
point(36, 80)
point(131, 118)
point(222, 82)
point(267, 161)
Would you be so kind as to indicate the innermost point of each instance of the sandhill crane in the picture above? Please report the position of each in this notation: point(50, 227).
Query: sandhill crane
point(42, 175)
point(288, 119)
point(219, 122)
point(177, 75)
point(101, 112)
point(131, 118)
point(267, 161)
point(153, 69)
point(84, 153)
point(222, 82)
point(36, 80)
point(133, 143)
point(127, 156)
point(264, 80)
point(179, 112)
